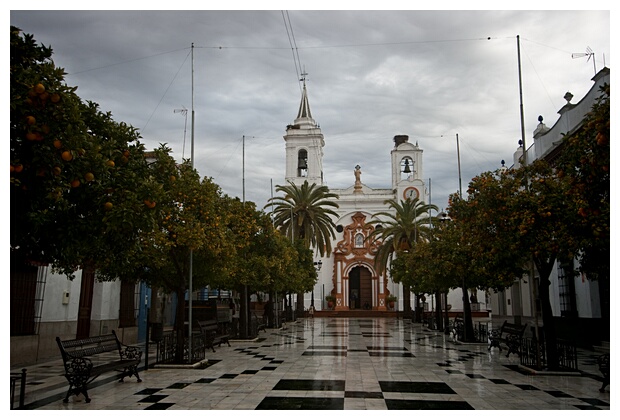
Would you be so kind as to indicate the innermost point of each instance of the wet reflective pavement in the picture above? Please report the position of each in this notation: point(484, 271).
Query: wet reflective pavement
point(339, 364)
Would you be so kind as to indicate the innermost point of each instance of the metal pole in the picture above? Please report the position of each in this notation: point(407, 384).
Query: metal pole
point(531, 274)
point(458, 157)
point(521, 103)
point(191, 252)
point(243, 169)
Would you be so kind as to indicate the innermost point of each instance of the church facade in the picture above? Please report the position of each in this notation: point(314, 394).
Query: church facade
point(349, 273)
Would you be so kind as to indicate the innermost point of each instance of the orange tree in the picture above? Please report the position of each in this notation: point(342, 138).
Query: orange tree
point(191, 236)
point(436, 265)
point(585, 163)
point(265, 260)
point(516, 217)
point(74, 171)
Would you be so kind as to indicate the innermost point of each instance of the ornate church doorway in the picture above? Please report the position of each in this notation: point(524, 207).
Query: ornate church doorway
point(360, 288)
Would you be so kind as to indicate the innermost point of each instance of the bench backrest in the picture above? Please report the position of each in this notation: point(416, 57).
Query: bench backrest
point(513, 328)
point(210, 325)
point(84, 347)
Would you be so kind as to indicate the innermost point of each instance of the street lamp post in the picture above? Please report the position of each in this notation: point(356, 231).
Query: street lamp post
point(443, 217)
point(317, 266)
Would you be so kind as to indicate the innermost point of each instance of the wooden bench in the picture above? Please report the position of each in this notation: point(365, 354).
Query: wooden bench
point(510, 335)
point(603, 367)
point(212, 333)
point(80, 370)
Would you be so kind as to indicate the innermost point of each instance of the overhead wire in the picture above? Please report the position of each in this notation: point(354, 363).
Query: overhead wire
point(166, 91)
point(293, 44)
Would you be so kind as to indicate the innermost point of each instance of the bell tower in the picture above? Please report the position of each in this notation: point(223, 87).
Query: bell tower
point(304, 146)
point(407, 171)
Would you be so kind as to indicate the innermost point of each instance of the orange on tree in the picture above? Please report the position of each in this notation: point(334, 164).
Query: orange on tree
point(89, 176)
point(55, 98)
point(67, 156)
point(108, 205)
point(110, 163)
point(75, 183)
point(32, 136)
point(39, 88)
point(57, 144)
point(30, 120)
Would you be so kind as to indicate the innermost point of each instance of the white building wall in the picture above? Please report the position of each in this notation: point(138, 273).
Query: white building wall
point(57, 307)
point(105, 308)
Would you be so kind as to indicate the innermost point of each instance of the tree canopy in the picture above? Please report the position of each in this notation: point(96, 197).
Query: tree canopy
point(305, 212)
point(73, 169)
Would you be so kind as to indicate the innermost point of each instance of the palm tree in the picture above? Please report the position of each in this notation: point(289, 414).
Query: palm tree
point(400, 229)
point(306, 213)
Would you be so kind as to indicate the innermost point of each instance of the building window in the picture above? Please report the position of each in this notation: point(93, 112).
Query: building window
point(566, 285)
point(302, 163)
point(26, 292)
point(359, 241)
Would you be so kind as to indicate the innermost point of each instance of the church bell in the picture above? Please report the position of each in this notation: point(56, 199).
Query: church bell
point(407, 169)
point(302, 163)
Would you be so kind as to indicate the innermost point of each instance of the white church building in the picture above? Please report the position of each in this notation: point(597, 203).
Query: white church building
point(349, 273)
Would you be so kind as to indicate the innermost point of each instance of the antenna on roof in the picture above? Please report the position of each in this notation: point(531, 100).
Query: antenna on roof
point(589, 53)
point(183, 111)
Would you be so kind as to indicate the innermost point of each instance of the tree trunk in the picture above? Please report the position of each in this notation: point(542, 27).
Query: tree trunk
point(406, 301)
point(438, 318)
point(468, 327)
point(544, 268)
point(300, 305)
point(244, 313)
point(447, 317)
point(419, 308)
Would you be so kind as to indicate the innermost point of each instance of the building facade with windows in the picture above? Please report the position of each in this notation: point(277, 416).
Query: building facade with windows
point(577, 302)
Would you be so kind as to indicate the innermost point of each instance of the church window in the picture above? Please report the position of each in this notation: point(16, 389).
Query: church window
point(359, 240)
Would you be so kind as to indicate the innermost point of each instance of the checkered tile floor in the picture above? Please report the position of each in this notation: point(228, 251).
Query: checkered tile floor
point(338, 364)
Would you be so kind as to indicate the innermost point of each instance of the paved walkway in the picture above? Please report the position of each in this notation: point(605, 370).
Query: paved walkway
point(336, 364)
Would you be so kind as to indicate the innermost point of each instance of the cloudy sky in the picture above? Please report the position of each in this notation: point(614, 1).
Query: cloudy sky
point(370, 75)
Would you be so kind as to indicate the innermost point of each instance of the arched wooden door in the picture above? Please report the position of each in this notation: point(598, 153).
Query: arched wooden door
point(360, 288)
